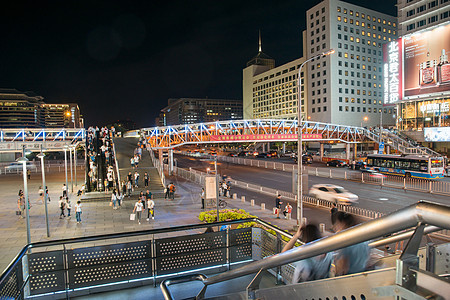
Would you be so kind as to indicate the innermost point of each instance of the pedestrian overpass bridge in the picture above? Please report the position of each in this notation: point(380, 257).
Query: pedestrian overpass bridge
point(274, 130)
point(50, 139)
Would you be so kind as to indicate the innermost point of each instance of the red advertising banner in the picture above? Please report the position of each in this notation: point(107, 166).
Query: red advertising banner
point(265, 137)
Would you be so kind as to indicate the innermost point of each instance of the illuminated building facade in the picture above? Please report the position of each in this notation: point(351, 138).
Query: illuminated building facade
point(28, 110)
point(199, 110)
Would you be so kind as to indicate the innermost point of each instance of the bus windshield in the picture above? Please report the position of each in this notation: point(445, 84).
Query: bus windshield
point(436, 163)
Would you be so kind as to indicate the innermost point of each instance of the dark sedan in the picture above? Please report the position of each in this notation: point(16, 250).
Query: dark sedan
point(336, 163)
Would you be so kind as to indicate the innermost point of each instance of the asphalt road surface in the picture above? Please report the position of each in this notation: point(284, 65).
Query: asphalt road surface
point(373, 197)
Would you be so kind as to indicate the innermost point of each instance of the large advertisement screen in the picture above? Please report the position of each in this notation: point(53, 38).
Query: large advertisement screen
point(426, 64)
point(437, 134)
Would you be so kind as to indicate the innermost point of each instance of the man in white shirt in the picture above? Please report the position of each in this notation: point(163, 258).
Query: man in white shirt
point(138, 210)
point(150, 206)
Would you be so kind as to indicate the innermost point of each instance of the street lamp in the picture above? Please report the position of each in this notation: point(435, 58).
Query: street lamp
point(299, 139)
point(71, 169)
point(24, 160)
point(65, 168)
point(365, 119)
point(41, 156)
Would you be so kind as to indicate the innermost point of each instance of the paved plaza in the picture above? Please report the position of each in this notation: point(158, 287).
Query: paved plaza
point(99, 218)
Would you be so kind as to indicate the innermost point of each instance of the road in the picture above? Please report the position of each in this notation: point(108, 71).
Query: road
point(373, 197)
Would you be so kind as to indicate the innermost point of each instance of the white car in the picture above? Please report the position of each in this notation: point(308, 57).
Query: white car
point(333, 193)
point(15, 167)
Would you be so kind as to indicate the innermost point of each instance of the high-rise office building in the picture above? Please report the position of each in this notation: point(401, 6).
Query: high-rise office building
point(417, 15)
point(269, 91)
point(199, 110)
point(347, 86)
point(28, 110)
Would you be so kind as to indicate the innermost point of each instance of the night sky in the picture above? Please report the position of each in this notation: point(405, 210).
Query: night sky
point(123, 60)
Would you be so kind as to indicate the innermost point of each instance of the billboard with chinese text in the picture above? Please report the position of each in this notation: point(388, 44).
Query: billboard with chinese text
point(426, 65)
point(417, 66)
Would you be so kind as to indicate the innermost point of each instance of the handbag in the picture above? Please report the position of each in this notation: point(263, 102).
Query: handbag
point(132, 217)
point(110, 203)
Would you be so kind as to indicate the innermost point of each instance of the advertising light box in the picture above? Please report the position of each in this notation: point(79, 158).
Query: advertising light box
point(426, 65)
point(437, 134)
point(417, 65)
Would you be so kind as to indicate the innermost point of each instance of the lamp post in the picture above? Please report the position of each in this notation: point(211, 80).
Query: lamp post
point(24, 160)
point(41, 156)
point(75, 163)
point(365, 120)
point(71, 169)
point(299, 139)
point(65, 168)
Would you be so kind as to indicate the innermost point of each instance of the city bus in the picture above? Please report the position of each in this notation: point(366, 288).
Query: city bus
point(418, 166)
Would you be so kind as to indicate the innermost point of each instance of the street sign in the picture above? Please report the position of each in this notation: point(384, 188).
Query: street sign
point(210, 187)
point(381, 148)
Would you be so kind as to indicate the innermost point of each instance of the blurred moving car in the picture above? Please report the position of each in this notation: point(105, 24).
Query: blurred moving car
point(333, 193)
point(373, 174)
point(262, 155)
point(336, 163)
point(359, 165)
point(17, 167)
point(232, 154)
point(273, 154)
point(306, 159)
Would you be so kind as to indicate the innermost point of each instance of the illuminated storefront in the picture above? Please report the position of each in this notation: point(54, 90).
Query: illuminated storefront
point(428, 113)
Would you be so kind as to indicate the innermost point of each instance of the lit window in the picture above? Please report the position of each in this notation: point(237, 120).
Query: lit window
point(339, 18)
point(346, 55)
point(357, 23)
point(345, 20)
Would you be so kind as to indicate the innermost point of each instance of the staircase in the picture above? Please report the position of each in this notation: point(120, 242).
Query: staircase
point(397, 142)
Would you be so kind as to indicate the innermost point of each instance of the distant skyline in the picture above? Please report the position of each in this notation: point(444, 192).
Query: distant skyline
point(124, 60)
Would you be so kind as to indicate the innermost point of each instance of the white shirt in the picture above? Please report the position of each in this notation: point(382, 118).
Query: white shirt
point(138, 206)
point(78, 207)
point(150, 204)
point(64, 188)
point(136, 175)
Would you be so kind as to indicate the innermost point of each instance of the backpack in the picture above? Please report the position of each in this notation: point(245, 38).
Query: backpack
point(62, 205)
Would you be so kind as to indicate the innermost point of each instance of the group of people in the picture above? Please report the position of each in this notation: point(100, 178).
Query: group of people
point(145, 201)
point(348, 260)
point(169, 191)
point(134, 160)
point(99, 147)
point(287, 209)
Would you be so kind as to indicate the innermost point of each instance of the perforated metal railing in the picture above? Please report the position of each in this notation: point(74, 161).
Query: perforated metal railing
point(72, 266)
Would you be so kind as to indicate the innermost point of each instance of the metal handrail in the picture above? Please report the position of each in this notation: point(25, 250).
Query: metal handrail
point(421, 212)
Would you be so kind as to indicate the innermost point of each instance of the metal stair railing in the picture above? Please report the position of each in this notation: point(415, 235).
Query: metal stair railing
point(417, 215)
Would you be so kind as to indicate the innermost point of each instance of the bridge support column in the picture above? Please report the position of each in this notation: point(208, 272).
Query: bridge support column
point(355, 151)
point(347, 152)
point(170, 161)
point(388, 149)
point(284, 148)
point(160, 157)
point(322, 145)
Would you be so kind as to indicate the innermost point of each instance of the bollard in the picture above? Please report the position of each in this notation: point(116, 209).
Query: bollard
point(304, 221)
point(345, 175)
point(243, 198)
point(322, 227)
point(263, 206)
point(317, 172)
point(252, 202)
point(330, 173)
point(234, 196)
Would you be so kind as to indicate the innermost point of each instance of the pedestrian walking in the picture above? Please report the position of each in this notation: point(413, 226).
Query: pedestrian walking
point(114, 199)
point(333, 212)
point(62, 207)
point(136, 161)
point(64, 190)
point(171, 190)
point(78, 211)
point(151, 208)
point(41, 194)
point(129, 188)
point(130, 177)
point(21, 205)
point(146, 178)
point(68, 206)
point(28, 174)
point(202, 196)
point(278, 205)
point(136, 179)
point(166, 192)
point(132, 162)
point(119, 199)
point(124, 188)
point(138, 207)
